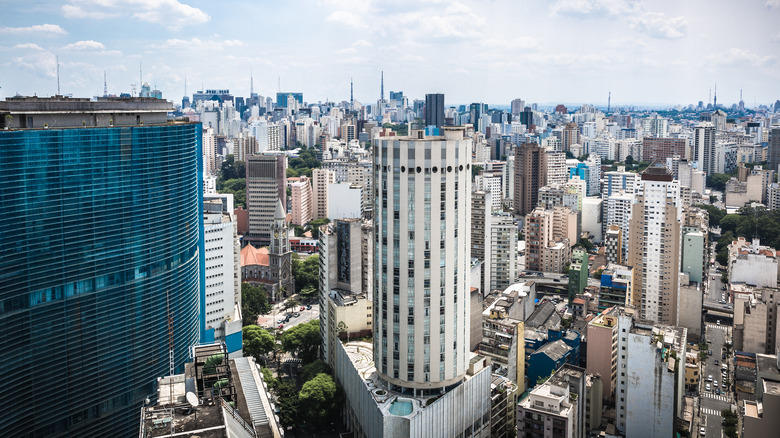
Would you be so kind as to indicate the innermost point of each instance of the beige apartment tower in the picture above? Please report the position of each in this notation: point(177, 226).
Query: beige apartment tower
point(654, 246)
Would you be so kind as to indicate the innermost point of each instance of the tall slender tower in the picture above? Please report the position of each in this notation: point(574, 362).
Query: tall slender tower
point(421, 268)
point(654, 245)
point(251, 84)
point(609, 100)
point(382, 86)
point(715, 97)
point(351, 95)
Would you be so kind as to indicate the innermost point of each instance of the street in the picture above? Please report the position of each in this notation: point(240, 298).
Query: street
point(271, 320)
point(712, 402)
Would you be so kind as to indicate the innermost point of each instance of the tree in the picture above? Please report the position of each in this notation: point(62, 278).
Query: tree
point(298, 230)
point(629, 160)
point(587, 244)
point(288, 402)
point(306, 272)
point(311, 370)
point(319, 400)
point(232, 169)
point(291, 303)
point(717, 181)
point(315, 225)
point(268, 378)
point(715, 213)
point(475, 170)
point(308, 293)
point(235, 186)
point(254, 302)
point(303, 340)
point(597, 274)
point(257, 341)
point(724, 278)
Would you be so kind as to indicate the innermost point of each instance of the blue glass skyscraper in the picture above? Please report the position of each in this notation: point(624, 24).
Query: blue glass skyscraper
point(100, 247)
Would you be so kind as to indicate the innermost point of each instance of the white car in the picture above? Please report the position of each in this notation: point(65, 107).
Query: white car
point(708, 387)
point(709, 378)
point(702, 431)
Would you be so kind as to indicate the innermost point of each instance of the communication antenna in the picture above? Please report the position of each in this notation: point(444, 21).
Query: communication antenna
point(105, 85)
point(382, 86)
point(58, 75)
point(251, 83)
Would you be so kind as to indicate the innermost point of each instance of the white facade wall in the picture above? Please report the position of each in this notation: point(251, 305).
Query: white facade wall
point(591, 217)
point(619, 209)
point(754, 269)
point(347, 201)
point(221, 248)
point(491, 184)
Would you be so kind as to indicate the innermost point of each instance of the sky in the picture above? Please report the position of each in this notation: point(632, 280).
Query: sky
point(661, 52)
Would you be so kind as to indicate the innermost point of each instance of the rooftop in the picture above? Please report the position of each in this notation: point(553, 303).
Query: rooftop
point(390, 402)
point(555, 350)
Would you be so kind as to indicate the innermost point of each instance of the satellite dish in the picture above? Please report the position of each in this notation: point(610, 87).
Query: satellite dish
point(192, 399)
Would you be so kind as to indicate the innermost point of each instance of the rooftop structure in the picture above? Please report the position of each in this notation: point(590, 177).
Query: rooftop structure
point(216, 397)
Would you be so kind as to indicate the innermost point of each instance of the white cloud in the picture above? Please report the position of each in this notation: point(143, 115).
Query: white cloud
point(170, 13)
point(199, 44)
point(584, 8)
point(36, 29)
point(348, 18)
point(41, 63)
point(28, 46)
point(657, 25)
point(741, 57)
point(85, 45)
point(772, 4)
point(362, 43)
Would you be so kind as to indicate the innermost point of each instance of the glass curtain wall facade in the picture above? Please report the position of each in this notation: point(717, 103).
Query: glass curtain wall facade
point(100, 243)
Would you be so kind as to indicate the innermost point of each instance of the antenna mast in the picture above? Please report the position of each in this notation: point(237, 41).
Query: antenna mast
point(351, 95)
point(382, 86)
point(251, 83)
point(105, 85)
point(58, 75)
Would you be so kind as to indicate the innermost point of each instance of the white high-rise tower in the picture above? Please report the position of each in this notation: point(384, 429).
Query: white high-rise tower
point(422, 240)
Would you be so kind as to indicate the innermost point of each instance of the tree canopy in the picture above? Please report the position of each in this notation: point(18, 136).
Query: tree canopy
point(257, 341)
point(311, 370)
point(319, 400)
point(254, 302)
point(306, 273)
point(232, 180)
point(717, 181)
point(303, 340)
point(303, 163)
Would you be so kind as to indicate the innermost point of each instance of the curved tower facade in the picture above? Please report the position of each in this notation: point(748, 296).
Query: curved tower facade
point(99, 262)
point(421, 272)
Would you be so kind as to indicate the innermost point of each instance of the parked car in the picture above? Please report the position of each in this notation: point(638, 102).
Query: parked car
point(709, 378)
point(717, 362)
point(723, 385)
point(708, 387)
point(296, 314)
point(709, 352)
point(702, 431)
point(281, 326)
point(308, 307)
point(303, 308)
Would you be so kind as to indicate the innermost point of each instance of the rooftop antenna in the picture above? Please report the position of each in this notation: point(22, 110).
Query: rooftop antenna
point(351, 95)
point(105, 85)
point(251, 83)
point(382, 87)
point(58, 74)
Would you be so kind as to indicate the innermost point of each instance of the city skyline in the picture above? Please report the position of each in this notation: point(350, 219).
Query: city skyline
point(658, 53)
